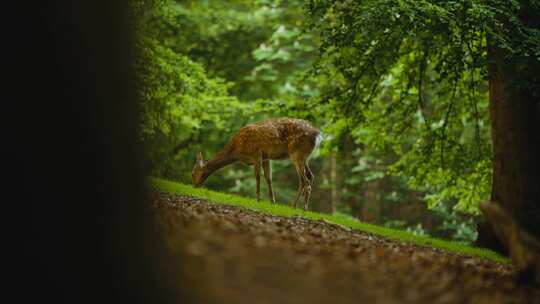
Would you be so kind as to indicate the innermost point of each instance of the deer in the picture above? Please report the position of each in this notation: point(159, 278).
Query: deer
point(257, 144)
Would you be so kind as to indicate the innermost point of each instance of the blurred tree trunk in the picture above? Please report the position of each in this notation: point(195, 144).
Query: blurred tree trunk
point(515, 125)
point(323, 197)
point(87, 232)
point(335, 183)
point(371, 209)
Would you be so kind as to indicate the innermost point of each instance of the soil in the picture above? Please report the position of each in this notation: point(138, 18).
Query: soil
point(232, 254)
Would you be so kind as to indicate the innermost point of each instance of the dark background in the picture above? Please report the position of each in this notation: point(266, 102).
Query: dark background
point(78, 224)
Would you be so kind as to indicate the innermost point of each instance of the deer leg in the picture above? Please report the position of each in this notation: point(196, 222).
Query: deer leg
point(301, 183)
point(300, 191)
point(309, 174)
point(268, 176)
point(257, 166)
point(309, 181)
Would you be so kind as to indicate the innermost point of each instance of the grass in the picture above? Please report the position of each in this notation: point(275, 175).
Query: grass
point(286, 211)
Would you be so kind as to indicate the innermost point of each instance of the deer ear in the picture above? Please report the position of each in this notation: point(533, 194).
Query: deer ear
point(199, 156)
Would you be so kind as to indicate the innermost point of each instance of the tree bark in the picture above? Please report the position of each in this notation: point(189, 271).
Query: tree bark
point(335, 184)
point(371, 209)
point(515, 129)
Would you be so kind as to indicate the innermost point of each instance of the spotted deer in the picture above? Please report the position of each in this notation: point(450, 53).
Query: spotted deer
point(256, 144)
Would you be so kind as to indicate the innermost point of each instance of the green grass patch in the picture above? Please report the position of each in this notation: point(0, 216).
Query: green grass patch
point(283, 210)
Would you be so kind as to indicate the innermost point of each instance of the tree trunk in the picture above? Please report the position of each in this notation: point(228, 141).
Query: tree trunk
point(371, 209)
point(515, 129)
point(334, 181)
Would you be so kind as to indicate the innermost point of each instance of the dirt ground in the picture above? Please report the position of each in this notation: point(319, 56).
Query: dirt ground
point(236, 255)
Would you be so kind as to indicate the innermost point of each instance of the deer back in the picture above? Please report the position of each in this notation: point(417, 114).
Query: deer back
point(274, 138)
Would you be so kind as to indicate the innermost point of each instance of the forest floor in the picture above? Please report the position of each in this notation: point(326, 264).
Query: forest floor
point(232, 254)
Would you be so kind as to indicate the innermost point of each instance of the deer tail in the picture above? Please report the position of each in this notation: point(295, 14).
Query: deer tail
point(318, 140)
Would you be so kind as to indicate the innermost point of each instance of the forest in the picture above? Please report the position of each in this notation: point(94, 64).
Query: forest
point(427, 115)
point(156, 151)
point(399, 89)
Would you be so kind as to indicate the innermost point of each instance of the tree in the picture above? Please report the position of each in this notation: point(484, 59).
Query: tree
point(514, 87)
point(433, 64)
point(180, 98)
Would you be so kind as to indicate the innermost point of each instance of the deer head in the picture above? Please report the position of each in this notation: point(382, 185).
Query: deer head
point(198, 176)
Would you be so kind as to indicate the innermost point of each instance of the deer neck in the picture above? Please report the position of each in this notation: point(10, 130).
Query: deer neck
point(220, 160)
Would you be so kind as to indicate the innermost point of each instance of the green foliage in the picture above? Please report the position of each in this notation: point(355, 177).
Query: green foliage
point(180, 100)
point(417, 230)
point(223, 36)
point(256, 45)
point(285, 56)
point(409, 82)
point(179, 96)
